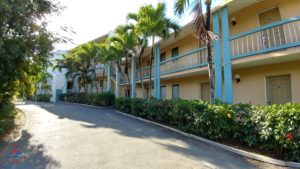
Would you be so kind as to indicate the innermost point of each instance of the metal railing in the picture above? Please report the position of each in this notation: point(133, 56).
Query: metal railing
point(145, 73)
point(275, 36)
point(192, 59)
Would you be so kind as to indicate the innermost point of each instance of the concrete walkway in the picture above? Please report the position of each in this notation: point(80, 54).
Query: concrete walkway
point(73, 136)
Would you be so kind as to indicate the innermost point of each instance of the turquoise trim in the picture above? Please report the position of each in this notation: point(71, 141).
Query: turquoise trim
point(108, 89)
point(143, 68)
point(117, 86)
point(285, 21)
point(227, 56)
point(291, 45)
point(133, 77)
point(218, 58)
point(157, 71)
point(185, 54)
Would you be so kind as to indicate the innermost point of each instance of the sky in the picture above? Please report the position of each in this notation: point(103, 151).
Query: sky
point(90, 19)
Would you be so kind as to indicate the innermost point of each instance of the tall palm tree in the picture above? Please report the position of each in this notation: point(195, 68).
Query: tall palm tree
point(202, 32)
point(89, 51)
point(142, 43)
point(67, 62)
point(154, 23)
point(125, 39)
point(105, 53)
point(83, 64)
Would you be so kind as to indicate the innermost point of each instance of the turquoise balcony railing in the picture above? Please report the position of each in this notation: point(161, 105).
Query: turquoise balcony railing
point(144, 73)
point(276, 36)
point(189, 60)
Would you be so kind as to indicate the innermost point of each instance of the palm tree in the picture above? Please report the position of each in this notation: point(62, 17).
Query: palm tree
point(153, 23)
point(67, 62)
point(202, 32)
point(104, 55)
point(83, 64)
point(125, 39)
point(89, 50)
point(142, 43)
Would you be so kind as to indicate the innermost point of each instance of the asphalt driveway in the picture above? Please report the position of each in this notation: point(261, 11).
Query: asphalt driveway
point(74, 136)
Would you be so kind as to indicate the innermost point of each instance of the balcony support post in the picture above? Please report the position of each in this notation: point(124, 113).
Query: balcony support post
point(117, 86)
point(157, 71)
point(217, 58)
point(133, 77)
point(108, 87)
point(227, 56)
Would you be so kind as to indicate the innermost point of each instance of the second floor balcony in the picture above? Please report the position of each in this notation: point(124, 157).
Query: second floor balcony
point(281, 35)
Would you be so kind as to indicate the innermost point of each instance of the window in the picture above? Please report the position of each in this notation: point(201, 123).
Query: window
point(163, 92)
point(175, 91)
point(175, 52)
point(163, 56)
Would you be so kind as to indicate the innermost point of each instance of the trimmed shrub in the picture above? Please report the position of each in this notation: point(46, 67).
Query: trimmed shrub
point(274, 128)
point(102, 99)
point(43, 97)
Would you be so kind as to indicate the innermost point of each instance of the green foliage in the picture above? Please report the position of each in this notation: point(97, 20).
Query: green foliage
point(7, 116)
point(43, 97)
point(273, 128)
point(25, 45)
point(102, 99)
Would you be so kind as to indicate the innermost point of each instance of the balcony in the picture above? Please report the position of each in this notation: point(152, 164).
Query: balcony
point(276, 36)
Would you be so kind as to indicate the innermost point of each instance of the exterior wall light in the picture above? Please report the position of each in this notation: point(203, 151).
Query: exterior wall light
point(233, 20)
point(237, 77)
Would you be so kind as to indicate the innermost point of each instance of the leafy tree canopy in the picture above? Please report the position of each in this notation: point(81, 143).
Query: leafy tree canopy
point(25, 44)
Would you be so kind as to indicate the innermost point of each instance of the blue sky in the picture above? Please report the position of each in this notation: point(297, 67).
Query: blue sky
point(93, 18)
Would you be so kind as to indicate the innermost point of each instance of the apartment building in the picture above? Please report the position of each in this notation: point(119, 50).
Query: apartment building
point(257, 58)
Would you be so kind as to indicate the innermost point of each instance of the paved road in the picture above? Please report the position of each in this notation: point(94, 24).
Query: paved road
point(74, 136)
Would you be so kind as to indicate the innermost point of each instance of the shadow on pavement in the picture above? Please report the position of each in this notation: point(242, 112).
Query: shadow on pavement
point(107, 118)
point(23, 154)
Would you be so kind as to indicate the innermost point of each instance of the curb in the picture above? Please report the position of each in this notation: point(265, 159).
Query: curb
point(253, 156)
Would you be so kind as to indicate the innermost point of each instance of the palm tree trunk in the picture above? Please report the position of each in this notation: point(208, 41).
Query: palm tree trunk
point(140, 66)
point(103, 73)
point(96, 79)
point(128, 78)
point(211, 73)
point(211, 69)
point(151, 55)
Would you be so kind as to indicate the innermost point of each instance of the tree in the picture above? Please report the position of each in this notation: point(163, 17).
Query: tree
point(153, 23)
point(25, 43)
point(142, 43)
point(202, 32)
point(67, 62)
point(125, 39)
point(105, 53)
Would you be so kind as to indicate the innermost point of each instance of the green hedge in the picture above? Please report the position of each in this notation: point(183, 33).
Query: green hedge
point(274, 128)
point(7, 116)
point(43, 97)
point(102, 99)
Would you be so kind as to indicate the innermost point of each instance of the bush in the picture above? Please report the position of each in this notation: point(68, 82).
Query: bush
point(274, 128)
point(7, 116)
point(102, 99)
point(43, 97)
